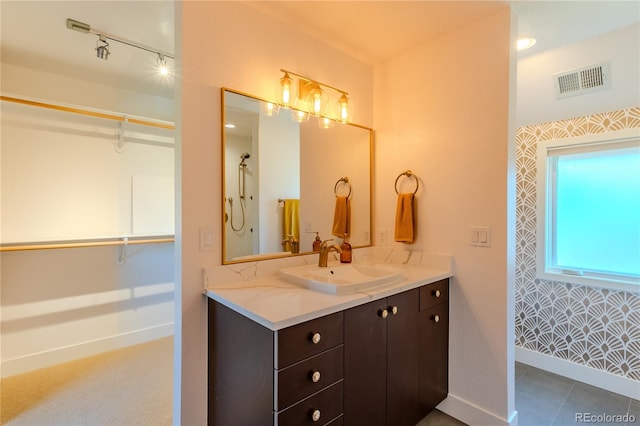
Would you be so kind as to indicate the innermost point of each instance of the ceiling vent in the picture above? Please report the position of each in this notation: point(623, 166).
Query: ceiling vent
point(583, 80)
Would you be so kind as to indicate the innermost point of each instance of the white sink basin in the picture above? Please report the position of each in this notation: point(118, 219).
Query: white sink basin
point(341, 278)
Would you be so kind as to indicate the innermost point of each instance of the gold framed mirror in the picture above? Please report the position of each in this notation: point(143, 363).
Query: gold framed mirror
point(275, 167)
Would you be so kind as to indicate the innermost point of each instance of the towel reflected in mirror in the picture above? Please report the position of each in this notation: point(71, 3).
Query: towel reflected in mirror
point(342, 217)
point(291, 225)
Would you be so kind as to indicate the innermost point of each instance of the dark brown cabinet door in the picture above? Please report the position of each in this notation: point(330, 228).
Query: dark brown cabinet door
point(403, 405)
point(434, 355)
point(365, 365)
point(382, 362)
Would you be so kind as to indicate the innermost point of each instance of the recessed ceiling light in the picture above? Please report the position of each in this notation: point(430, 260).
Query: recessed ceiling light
point(525, 43)
point(230, 126)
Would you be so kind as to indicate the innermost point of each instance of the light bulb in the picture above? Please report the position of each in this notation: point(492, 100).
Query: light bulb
point(286, 89)
point(163, 69)
point(317, 102)
point(525, 43)
point(343, 102)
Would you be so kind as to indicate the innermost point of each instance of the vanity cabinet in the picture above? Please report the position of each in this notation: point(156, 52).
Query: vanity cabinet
point(380, 363)
point(434, 344)
point(289, 377)
point(396, 357)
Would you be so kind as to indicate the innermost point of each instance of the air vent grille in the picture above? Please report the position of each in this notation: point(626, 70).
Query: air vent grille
point(583, 80)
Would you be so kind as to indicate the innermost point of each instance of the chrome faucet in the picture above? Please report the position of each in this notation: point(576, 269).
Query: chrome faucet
point(324, 252)
point(293, 241)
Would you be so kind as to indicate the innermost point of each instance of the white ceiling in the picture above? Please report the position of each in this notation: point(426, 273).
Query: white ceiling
point(34, 33)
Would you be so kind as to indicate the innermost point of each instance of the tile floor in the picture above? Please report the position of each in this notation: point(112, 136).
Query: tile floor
point(546, 399)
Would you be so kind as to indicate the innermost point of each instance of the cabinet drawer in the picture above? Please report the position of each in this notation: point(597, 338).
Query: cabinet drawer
point(327, 405)
point(296, 382)
point(435, 293)
point(297, 342)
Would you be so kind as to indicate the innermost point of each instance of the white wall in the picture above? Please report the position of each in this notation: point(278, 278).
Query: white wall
point(535, 91)
point(279, 175)
point(63, 304)
point(443, 110)
point(541, 117)
point(239, 243)
point(251, 64)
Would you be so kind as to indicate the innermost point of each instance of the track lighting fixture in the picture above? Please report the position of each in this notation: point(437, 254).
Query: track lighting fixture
point(163, 69)
point(102, 44)
point(312, 98)
point(102, 48)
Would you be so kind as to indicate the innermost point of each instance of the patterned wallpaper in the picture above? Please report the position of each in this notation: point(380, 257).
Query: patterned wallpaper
point(595, 327)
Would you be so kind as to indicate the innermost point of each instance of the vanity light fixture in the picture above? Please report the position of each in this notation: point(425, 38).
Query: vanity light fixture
point(312, 98)
point(102, 45)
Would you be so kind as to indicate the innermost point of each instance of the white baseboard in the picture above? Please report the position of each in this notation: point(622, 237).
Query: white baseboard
point(602, 379)
point(473, 415)
point(48, 358)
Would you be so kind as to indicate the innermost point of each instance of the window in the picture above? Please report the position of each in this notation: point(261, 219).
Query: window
point(589, 210)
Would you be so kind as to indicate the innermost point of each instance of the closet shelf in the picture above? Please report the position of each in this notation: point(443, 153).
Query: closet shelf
point(101, 242)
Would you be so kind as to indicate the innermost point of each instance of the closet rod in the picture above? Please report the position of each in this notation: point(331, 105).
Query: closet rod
point(85, 243)
point(87, 112)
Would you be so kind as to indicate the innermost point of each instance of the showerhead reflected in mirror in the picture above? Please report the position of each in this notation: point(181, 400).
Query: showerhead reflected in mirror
point(279, 180)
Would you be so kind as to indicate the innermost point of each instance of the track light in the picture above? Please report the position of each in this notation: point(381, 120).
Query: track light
point(163, 69)
point(102, 45)
point(102, 48)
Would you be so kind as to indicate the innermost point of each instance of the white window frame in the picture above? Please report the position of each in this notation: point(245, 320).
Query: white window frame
point(629, 137)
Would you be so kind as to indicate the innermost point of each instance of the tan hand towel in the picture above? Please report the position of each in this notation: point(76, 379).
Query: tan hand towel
point(342, 217)
point(405, 220)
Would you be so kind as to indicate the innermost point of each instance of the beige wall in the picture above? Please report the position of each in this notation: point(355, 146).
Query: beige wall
point(443, 111)
point(227, 44)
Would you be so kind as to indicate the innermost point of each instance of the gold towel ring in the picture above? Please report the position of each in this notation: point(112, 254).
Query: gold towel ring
point(346, 181)
point(407, 173)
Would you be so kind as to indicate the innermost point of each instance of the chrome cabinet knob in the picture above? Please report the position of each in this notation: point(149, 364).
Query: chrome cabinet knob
point(394, 310)
point(383, 313)
point(316, 338)
point(315, 415)
point(315, 377)
point(436, 318)
point(437, 293)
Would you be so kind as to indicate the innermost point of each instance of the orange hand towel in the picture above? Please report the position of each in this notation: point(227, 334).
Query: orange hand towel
point(342, 217)
point(405, 220)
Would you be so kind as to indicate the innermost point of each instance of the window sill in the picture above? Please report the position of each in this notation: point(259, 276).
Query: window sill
point(630, 285)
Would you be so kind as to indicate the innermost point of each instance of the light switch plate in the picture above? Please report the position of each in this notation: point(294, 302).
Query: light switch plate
point(480, 236)
point(206, 239)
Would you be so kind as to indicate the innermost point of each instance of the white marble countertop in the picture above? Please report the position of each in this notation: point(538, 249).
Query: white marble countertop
point(275, 303)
